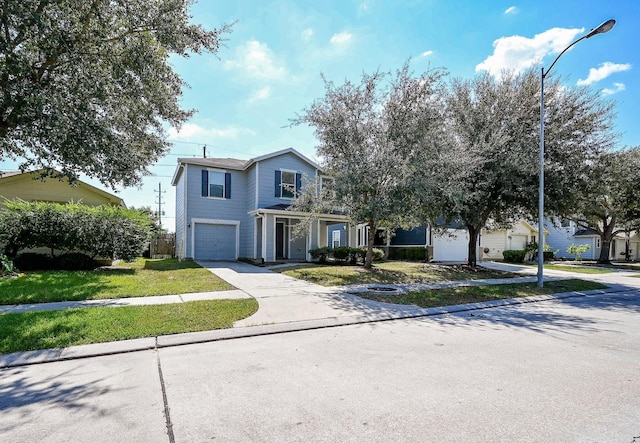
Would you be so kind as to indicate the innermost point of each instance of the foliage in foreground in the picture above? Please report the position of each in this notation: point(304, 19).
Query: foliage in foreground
point(58, 329)
point(88, 87)
point(101, 231)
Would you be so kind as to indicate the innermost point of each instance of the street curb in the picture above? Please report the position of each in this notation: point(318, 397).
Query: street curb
point(17, 359)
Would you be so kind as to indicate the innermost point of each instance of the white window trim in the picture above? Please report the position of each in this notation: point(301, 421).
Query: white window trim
point(224, 184)
point(295, 190)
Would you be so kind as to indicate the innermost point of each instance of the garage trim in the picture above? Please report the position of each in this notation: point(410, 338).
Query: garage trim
point(211, 221)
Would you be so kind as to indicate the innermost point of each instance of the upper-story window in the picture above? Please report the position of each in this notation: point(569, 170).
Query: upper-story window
point(216, 184)
point(287, 183)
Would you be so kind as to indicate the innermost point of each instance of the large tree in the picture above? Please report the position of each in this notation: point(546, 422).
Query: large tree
point(369, 136)
point(491, 172)
point(610, 203)
point(86, 85)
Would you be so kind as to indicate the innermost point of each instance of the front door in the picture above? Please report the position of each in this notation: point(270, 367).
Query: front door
point(280, 249)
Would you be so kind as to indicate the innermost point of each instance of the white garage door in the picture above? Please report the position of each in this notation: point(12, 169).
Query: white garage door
point(215, 242)
point(518, 241)
point(452, 247)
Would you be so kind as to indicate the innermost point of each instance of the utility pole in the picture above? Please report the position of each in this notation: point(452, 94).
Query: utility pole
point(160, 202)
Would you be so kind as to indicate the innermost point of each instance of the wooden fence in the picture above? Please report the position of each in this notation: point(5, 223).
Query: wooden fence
point(163, 246)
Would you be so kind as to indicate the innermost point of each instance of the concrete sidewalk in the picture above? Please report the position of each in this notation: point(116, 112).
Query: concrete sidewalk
point(287, 304)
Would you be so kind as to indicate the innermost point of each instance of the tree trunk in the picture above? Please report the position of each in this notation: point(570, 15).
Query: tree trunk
point(604, 251)
point(371, 237)
point(473, 245)
point(605, 239)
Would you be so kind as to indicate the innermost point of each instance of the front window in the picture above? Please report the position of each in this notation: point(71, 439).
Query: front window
point(288, 184)
point(216, 184)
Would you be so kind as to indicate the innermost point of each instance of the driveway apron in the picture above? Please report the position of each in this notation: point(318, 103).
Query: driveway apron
point(284, 299)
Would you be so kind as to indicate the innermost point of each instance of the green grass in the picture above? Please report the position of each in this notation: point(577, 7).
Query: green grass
point(475, 294)
point(141, 278)
point(579, 269)
point(58, 329)
point(390, 272)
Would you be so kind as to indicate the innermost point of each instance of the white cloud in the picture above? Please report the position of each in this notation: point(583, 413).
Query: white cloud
point(307, 34)
point(617, 87)
point(261, 94)
point(256, 60)
point(426, 53)
point(604, 71)
point(511, 10)
point(341, 38)
point(193, 131)
point(519, 53)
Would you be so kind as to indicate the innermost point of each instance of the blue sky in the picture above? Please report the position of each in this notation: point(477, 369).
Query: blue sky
point(271, 64)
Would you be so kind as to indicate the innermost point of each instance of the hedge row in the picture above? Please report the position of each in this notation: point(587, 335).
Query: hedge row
point(102, 231)
point(344, 254)
point(408, 253)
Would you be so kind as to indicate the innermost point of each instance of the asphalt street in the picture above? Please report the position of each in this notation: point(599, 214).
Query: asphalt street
point(562, 370)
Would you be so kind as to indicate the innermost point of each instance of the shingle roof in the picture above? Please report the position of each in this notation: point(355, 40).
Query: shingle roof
point(227, 163)
point(585, 233)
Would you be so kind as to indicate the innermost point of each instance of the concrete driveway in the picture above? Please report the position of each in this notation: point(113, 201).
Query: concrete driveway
point(560, 370)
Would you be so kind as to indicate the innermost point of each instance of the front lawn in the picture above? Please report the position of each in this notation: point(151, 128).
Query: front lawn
point(390, 272)
point(57, 329)
point(141, 278)
point(578, 269)
point(474, 294)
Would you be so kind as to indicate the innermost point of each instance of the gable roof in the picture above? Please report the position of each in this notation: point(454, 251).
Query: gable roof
point(234, 163)
point(13, 177)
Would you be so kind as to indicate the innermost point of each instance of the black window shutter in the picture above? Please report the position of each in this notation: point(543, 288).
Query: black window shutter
point(205, 183)
point(227, 185)
point(298, 183)
point(278, 182)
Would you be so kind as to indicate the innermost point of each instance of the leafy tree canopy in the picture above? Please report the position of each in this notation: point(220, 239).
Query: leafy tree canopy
point(491, 172)
point(86, 85)
point(369, 135)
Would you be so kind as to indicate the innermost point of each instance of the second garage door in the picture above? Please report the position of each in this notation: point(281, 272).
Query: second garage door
point(215, 242)
point(452, 247)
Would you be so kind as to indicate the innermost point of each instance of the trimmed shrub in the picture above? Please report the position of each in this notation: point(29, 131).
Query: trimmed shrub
point(32, 261)
point(74, 261)
point(408, 253)
point(548, 255)
point(320, 254)
point(514, 255)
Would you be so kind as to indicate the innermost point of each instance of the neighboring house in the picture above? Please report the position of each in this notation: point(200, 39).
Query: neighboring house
point(228, 208)
point(563, 233)
point(494, 242)
point(452, 245)
point(29, 186)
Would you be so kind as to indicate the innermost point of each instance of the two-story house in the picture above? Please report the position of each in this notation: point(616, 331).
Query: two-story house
point(228, 208)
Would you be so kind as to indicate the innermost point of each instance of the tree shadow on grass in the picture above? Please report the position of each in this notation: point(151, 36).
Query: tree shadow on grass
point(169, 264)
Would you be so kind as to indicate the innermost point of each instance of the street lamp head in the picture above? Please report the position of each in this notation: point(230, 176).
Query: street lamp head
point(604, 27)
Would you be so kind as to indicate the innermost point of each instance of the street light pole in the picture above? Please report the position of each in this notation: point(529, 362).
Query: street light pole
point(604, 27)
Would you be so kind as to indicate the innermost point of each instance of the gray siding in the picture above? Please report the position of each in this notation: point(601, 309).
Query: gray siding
point(233, 209)
point(267, 170)
point(180, 225)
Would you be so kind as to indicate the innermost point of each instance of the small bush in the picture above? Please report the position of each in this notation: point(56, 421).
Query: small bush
point(408, 253)
point(514, 255)
point(341, 253)
point(320, 254)
point(548, 255)
point(32, 261)
point(74, 261)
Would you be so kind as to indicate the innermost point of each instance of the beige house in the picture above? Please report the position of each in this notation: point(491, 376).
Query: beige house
point(494, 242)
point(28, 186)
